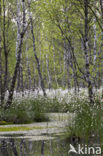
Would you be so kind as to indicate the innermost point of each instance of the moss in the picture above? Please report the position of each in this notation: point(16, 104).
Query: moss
point(5, 123)
point(20, 128)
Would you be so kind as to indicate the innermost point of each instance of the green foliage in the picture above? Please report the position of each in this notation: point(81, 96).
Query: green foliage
point(5, 123)
point(53, 105)
point(42, 104)
point(32, 110)
point(24, 111)
point(88, 121)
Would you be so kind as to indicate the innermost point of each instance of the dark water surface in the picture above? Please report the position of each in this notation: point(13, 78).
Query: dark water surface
point(25, 147)
point(22, 146)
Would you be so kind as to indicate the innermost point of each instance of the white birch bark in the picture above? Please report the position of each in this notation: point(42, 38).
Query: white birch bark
point(65, 63)
point(55, 67)
point(48, 71)
point(87, 64)
point(28, 68)
point(35, 54)
point(0, 56)
point(101, 47)
point(12, 86)
point(95, 40)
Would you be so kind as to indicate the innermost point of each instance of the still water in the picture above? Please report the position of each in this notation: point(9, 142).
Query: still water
point(24, 147)
point(44, 146)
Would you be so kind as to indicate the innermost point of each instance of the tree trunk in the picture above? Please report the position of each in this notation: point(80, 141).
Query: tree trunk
point(4, 87)
point(34, 79)
point(54, 63)
point(95, 41)
point(95, 53)
point(17, 43)
point(9, 101)
point(101, 46)
point(0, 57)
point(28, 67)
point(67, 63)
point(87, 64)
point(21, 77)
point(49, 76)
point(35, 54)
point(11, 91)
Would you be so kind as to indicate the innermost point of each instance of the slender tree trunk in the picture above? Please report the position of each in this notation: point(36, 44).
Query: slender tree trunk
point(7, 43)
point(87, 64)
point(67, 63)
point(34, 74)
point(0, 76)
point(35, 54)
point(68, 74)
point(18, 81)
point(18, 42)
point(11, 91)
point(28, 66)
point(95, 41)
point(61, 70)
point(95, 53)
point(4, 87)
point(9, 101)
point(99, 54)
point(0, 57)
point(54, 63)
point(74, 76)
point(49, 76)
point(73, 66)
point(21, 77)
point(29, 74)
point(101, 47)
point(101, 4)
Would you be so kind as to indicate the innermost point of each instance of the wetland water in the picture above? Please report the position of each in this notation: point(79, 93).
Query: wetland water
point(28, 147)
point(44, 139)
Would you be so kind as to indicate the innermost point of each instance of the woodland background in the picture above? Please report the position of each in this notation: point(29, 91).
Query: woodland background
point(50, 44)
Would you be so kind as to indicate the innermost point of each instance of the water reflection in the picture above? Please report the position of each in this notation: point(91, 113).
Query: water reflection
point(25, 147)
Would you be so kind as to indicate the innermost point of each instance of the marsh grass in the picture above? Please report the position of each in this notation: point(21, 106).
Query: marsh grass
point(23, 111)
point(30, 110)
point(88, 122)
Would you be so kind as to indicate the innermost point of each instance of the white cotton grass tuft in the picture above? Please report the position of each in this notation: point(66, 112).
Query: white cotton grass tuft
point(60, 94)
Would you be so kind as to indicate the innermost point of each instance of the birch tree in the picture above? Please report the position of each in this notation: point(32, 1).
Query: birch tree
point(22, 33)
point(48, 71)
point(34, 49)
point(6, 52)
point(87, 64)
point(0, 55)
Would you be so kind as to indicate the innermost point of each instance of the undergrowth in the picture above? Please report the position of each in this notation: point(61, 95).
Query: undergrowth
point(30, 110)
point(88, 122)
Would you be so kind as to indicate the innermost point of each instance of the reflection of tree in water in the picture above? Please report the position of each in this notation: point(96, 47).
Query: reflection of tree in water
point(13, 147)
point(23, 147)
